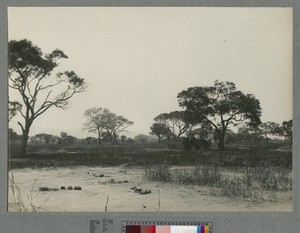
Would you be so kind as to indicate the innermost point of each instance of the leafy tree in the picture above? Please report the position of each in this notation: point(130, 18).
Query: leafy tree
point(176, 125)
point(114, 125)
point(67, 139)
point(123, 138)
point(268, 129)
point(91, 140)
point(13, 136)
point(32, 75)
point(199, 138)
point(129, 140)
point(160, 130)
point(175, 122)
point(140, 138)
point(94, 121)
point(286, 130)
point(221, 105)
point(106, 137)
point(44, 138)
point(63, 134)
point(229, 136)
point(248, 135)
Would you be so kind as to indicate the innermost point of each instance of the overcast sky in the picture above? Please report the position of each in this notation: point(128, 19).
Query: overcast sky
point(136, 60)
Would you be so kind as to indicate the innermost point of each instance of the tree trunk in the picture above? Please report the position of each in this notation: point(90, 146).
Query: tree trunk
point(221, 144)
point(158, 138)
point(25, 133)
point(113, 138)
point(24, 142)
point(267, 139)
point(169, 142)
point(99, 139)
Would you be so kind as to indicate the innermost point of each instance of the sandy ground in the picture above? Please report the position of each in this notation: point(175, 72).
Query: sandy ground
point(95, 190)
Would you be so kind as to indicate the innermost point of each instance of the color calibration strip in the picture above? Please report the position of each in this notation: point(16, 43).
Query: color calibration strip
point(166, 227)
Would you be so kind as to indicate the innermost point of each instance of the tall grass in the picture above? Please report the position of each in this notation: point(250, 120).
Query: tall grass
point(199, 175)
point(161, 173)
point(17, 202)
point(250, 183)
point(17, 198)
point(238, 187)
point(271, 178)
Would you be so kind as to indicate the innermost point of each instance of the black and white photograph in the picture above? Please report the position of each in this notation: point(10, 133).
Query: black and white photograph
point(150, 109)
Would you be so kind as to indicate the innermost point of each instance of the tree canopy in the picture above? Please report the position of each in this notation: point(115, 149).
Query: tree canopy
point(94, 121)
point(268, 129)
point(175, 122)
point(221, 105)
point(160, 130)
point(286, 130)
point(33, 75)
point(103, 122)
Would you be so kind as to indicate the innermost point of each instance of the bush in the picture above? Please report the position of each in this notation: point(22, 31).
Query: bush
point(189, 143)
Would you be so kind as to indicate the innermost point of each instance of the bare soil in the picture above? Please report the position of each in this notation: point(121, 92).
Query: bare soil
point(116, 186)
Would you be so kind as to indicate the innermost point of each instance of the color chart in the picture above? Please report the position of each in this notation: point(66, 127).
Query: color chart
point(168, 227)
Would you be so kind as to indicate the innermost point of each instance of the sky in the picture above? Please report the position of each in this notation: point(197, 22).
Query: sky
point(136, 60)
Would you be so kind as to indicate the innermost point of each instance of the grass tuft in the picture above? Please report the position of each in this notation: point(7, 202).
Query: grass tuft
point(161, 173)
point(199, 175)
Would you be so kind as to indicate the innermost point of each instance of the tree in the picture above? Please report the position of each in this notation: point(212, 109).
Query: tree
point(286, 130)
point(13, 136)
point(199, 138)
point(94, 121)
point(113, 124)
point(123, 138)
point(221, 105)
point(67, 139)
point(175, 122)
point(248, 135)
point(159, 129)
point(44, 138)
point(268, 129)
point(91, 140)
point(105, 123)
point(141, 138)
point(106, 137)
point(32, 74)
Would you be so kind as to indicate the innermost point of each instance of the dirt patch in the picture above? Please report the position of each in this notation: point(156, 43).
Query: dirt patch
point(117, 183)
